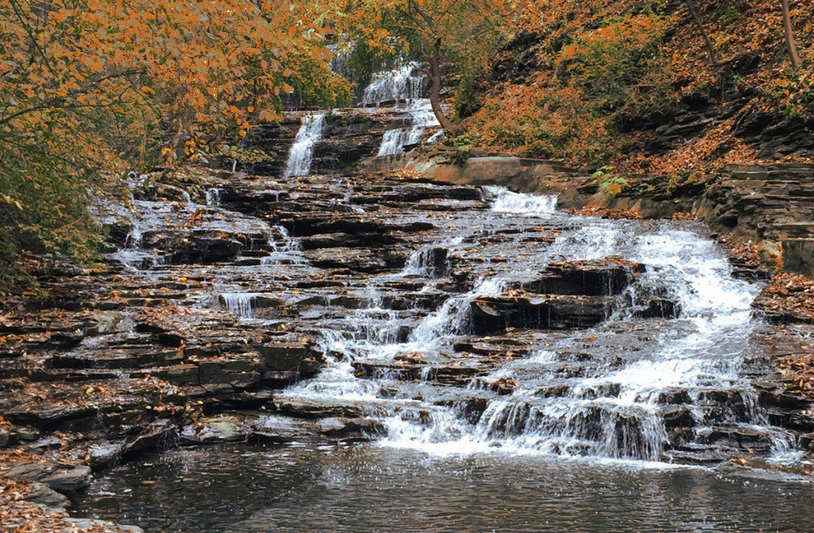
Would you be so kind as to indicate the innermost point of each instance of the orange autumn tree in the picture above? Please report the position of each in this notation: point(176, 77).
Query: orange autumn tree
point(89, 87)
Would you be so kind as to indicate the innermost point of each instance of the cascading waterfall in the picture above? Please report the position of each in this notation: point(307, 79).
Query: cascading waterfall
point(301, 155)
point(403, 86)
point(239, 304)
point(399, 85)
point(213, 197)
point(289, 251)
point(421, 118)
point(612, 411)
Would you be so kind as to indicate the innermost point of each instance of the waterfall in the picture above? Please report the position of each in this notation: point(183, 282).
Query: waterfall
point(301, 155)
point(617, 407)
point(506, 201)
point(239, 303)
point(289, 251)
point(403, 86)
point(421, 118)
point(398, 85)
point(213, 197)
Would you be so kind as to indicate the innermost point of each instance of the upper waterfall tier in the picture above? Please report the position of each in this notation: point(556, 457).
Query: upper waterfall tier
point(401, 84)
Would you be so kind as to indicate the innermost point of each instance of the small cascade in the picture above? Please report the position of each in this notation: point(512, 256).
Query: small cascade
point(512, 203)
point(288, 251)
point(404, 87)
point(301, 155)
point(431, 260)
point(399, 85)
point(239, 304)
point(213, 197)
point(421, 118)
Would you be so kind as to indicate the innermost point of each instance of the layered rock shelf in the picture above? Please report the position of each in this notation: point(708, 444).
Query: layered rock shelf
point(209, 323)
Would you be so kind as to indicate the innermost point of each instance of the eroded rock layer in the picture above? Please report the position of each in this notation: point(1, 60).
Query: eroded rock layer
point(235, 307)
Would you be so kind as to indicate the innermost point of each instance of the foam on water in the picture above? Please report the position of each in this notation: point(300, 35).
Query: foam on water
point(508, 202)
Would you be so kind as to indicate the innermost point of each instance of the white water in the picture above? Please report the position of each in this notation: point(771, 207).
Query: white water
point(612, 412)
point(288, 251)
point(239, 304)
point(401, 84)
point(404, 87)
point(421, 118)
point(213, 197)
point(301, 154)
point(506, 201)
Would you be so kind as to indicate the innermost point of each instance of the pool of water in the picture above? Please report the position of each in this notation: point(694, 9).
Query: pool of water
point(369, 488)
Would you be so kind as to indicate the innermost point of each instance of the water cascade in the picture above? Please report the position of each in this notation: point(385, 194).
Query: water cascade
point(301, 155)
point(614, 408)
point(239, 304)
point(213, 197)
point(399, 85)
point(404, 87)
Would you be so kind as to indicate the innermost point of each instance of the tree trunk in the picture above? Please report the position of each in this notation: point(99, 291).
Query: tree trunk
point(790, 44)
point(435, 91)
point(713, 55)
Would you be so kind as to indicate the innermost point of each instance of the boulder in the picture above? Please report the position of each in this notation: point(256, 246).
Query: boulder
point(105, 455)
point(214, 430)
point(350, 428)
point(65, 479)
point(41, 494)
point(159, 435)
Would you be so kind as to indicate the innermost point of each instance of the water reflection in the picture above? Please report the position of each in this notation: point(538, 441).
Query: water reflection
point(379, 489)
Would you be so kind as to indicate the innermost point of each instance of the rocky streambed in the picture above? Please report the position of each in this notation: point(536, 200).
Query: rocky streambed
point(349, 333)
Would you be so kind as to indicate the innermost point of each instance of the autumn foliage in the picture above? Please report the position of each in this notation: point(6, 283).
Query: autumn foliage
point(91, 88)
point(602, 76)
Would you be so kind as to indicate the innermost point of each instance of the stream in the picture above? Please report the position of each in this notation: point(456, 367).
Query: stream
point(454, 358)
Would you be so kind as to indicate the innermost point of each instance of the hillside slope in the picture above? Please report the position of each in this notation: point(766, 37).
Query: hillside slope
point(633, 85)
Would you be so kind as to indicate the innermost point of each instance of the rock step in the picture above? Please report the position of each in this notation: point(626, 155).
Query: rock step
point(495, 314)
point(590, 278)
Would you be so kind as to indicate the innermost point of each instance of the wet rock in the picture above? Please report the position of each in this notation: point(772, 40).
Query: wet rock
point(658, 308)
point(105, 455)
point(49, 419)
point(472, 409)
point(210, 431)
point(350, 428)
point(159, 435)
point(62, 479)
point(502, 386)
point(205, 250)
point(41, 494)
point(280, 430)
point(588, 278)
point(292, 353)
point(675, 417)
point(91, 525)
point(673, 395)
point(69, 481)
point(492, 315)
point(753, 440)
point(308, 408)
point(553, 391)
point(5, 437)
